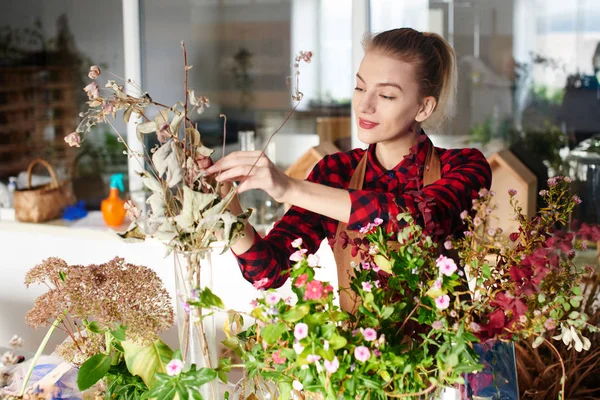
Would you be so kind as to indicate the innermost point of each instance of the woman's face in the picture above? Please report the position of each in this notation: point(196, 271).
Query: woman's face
point(386, 98)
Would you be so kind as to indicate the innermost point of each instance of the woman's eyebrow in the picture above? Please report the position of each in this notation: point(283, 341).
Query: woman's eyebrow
point(381, 84)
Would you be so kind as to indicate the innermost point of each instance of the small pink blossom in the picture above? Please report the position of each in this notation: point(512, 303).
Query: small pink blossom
point(313, 260)
point(300, 331)
point(552, 182)
point(464, 214)
point(369, 334)
point(254, 303)
point(288, 300)
point(94, 72)
point(483, 192)
point(367, 286)
point(314, 290)
point(377, 221)
point(446, 265)
point(297, 385)
point(174, 367)
point(437, 284)
point(512, 192)
point(362, 353)
point(92, 90)
point(475, 327)
point(375, 267)
point(73, 139)
point(437, 325)
point(297, 243)
point(373, 250)
point(549, 324)
point(277, 358)
point(477, 221)
point(577, 199)
point(273, 298)
point(491, 231)
point(301, 280)
point(568, 179)
point(367, 228)
point(332, 366)
point(186, 307)
point(453, 314)
point(448, 245)
point(260, 284)
point(311, 358)
point(442, 302)
point(377, 284)
point(468, 233)
point(366, 265)
point(298, 255)
point(328, 289)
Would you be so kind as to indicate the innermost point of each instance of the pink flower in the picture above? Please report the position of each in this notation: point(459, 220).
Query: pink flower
point(314, 290)
point(448, 244)
point(475, 327)
point(260, 284)
point(92, 90)
point(376, 352)
point(568, 179)
point(273, 298)
point(277, 358)
point(552, 182)
point(373, 250)
point(313, 260)
point(549, 324)
point(437, 325)
point(366, 229)
point(442, 302)
point(300, 331)
point(362, 353)
point(332, 366)
point(311, 358)
point(186, 307)
point(375, 267)
point(483, 192)
point(377, 284)
point(464, 214)
point(512, 192)
point(437, 284)
point(254, 303)
point(477, 221)
point(370, 334)
point(297, 243)
point(328, 289)
point(367, 286)
point(576, 199)
point(446, 265)
point(298, 255)
point(377, 221)
point(301, 280)
point(174, 367)
point(73, 139)
point(366, 265)
point(94, 72)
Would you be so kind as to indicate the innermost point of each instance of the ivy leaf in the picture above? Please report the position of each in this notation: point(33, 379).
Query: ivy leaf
point(272, 333)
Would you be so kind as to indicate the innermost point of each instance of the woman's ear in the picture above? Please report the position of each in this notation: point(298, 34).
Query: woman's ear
point(426, 109)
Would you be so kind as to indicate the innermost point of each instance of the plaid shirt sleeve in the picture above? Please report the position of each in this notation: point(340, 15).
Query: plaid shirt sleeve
point(464, 173)
point(268, 257)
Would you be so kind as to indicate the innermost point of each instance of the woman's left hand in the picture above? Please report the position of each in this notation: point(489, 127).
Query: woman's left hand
point(265, 175)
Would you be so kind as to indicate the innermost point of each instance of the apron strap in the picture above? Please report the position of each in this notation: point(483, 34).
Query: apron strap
point(343, 257)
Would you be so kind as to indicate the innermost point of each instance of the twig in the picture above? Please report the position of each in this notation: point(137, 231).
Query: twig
point(562, 365)
point(415, 394)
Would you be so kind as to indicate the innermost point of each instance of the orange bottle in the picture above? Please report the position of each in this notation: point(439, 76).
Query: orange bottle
point(113, 207)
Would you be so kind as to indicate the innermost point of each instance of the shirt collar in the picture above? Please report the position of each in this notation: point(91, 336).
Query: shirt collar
point(416, 158)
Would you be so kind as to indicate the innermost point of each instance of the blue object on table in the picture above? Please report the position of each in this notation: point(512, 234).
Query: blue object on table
point(498, 380)
point(74, 212)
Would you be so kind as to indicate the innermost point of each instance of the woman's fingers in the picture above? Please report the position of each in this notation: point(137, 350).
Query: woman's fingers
point(238, 158)
point(237, 173)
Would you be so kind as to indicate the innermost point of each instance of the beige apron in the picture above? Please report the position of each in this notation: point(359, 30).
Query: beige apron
point(343, 257)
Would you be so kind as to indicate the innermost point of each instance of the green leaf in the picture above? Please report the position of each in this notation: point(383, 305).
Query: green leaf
point(336, 341)
point(91, 371)
point(574, 302)
point(486, 270)
point(272, 333)
point(537, 342)
point(145, 361)
point(296, 313)
point(62, 276)
point(387, 312)
point(285, 390)
point(541, 298)
point(577, 290)
point(385, 375)
point(94, 327)
point(208, 299)
point(118, 334)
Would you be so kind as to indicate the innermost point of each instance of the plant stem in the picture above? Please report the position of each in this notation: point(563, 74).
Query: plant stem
point(38, 353)
point(416, 394)
point(562, 365)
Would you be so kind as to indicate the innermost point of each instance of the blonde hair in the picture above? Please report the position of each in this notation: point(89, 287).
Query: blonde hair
point(434, 63)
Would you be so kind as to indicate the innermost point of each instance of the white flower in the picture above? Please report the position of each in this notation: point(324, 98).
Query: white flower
point(16, 342)
point(297, 243)
point(297, 385)
point(298, 348)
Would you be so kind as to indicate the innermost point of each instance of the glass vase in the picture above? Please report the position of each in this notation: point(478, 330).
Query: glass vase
point(196, 327)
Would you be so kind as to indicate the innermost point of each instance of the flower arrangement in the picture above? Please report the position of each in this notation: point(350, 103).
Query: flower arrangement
point(419, 313)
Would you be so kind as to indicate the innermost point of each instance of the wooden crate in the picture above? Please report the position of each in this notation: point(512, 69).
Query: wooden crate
point(38, 108)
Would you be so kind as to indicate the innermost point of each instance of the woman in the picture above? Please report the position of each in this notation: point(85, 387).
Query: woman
point(406, 82)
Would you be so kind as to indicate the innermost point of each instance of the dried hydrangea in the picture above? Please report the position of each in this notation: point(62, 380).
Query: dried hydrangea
point(86, 347)
point(111, 294)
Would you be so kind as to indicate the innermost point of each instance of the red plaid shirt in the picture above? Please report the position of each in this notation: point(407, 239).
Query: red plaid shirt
point(385, 194)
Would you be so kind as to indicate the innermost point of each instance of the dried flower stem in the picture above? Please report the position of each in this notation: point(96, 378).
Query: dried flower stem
point(416, 394)
point(38, 353)
point(562, 365)
point(185, 90)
